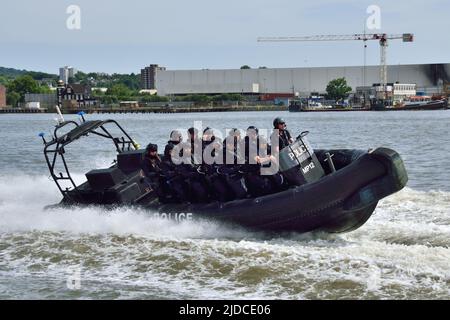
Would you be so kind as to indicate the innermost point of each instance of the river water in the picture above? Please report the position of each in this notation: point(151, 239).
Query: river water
point(402, 252)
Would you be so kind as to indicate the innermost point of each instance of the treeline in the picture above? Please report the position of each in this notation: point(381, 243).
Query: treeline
point(199, 98)
point(20, 82)
point(103, 80)
point(9, 74)
point(18, 87)
point(120, 92)
point(120, 87)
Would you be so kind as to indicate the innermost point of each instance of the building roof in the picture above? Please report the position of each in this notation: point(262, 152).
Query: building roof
point(79, 88)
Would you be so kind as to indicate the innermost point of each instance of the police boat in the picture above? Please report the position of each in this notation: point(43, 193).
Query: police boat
point(328, 190)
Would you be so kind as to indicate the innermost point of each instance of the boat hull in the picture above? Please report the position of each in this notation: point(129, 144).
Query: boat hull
point(340, 202)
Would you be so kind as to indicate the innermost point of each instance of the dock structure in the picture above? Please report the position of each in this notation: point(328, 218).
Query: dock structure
point(20, 110)
point(152, 109)
point(186, 109)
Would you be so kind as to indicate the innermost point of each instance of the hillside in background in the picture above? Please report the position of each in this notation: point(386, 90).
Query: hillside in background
point(93, 79)
point(11, 73)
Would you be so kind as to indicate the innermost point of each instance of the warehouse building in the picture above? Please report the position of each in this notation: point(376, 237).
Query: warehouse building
point(428, 78)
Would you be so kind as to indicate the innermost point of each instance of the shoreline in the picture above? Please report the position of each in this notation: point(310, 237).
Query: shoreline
point(150, 109)
point(197, 109)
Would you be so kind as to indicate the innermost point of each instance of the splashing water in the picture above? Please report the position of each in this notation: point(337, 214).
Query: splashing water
point(402, 252)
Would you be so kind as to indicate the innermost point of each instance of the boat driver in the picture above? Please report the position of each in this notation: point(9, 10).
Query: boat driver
point(284, 136)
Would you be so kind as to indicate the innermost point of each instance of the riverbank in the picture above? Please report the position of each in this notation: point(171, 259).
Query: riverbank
point(19, 110)
point(200, 109)
point(153, 109)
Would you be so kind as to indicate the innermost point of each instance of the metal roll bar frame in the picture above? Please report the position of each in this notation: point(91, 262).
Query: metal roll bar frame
point(56, 147)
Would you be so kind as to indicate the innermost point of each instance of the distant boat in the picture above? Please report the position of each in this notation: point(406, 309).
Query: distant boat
point(298, 106)
point(425, 105)
point(415, 103)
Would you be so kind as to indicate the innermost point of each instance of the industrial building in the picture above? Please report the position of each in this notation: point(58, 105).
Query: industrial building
point(427, 78)
point(46, 100)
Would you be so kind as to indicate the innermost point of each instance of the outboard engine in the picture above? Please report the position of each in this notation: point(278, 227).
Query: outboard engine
point(299, 164)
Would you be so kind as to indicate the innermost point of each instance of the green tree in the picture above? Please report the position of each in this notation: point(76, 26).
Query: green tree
point(196, 98)
point(153, 98)
point(245, 67)
point(108, 99)
point(12, 98)
point(80, 77)
point(227, 97)
point(119, 90)
point(131, 81)
point(338, 89)
point(42, 75)
point(4, 80)
point(24, 84)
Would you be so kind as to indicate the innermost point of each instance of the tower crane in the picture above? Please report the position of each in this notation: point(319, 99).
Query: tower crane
point(381, 37)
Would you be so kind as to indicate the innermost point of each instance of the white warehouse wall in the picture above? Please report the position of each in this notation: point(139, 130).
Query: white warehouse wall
point(286, 80)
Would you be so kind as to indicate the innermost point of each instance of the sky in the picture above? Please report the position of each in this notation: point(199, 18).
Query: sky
point(124, 36)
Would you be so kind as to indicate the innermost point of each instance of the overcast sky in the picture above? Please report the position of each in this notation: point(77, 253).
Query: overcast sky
point(123, 36)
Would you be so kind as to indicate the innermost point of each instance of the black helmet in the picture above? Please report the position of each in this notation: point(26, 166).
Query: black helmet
point(175, 135)
point(151, 147)
point(278, 121)
point(207, 130)
point(234, 132)
point(192, 130)
point(253, 128)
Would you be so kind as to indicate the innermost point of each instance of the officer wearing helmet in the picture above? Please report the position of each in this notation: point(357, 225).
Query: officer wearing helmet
point(284, 136)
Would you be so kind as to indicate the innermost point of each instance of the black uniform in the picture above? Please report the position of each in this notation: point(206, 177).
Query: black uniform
point(258, 184)
point(196, 147)
point(284, 138)
point(168, 150)
point(155, 176)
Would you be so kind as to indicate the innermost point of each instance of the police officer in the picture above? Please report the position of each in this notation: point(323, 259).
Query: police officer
point(284, 136)
point(151, 163)
point(258, 184)
point(152, 167)
point(175, 139)
point(232, 146)
point(173, 171)
point(251, 142)
point(194, 146)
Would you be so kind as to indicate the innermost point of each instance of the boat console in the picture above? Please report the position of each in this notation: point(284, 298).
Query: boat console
point(299, 164)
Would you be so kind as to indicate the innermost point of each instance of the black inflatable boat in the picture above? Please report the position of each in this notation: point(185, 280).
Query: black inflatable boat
point(339, 199)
